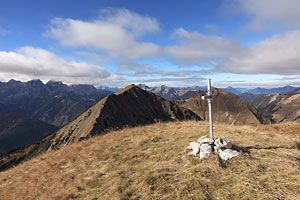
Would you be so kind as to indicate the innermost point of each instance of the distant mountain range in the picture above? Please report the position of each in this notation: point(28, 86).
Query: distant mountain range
point(54, 102)
point(259, 91)
point(84, 111)
point(249, 94)
point(57, 103)
point(172, 93)
point(177, 93)
point(133, 106)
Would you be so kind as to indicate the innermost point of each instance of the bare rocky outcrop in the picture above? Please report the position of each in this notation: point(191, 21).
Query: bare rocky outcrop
point(206, 146)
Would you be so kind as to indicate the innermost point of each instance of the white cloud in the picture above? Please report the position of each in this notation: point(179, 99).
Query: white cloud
point(115, 32)
point(276, 55)
point(262, 13)
point(132, 22)
point(3, 31)
point(34, 63)
point(196, 48)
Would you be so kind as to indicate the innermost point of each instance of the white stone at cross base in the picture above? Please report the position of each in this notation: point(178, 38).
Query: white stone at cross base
point(205, 150)
point(205, 140)
point(227, 153)
point(195, 147)
point(221, 143)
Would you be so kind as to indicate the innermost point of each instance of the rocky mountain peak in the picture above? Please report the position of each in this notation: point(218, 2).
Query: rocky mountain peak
point(35, 83)
point(128, 107)
point(127, 88)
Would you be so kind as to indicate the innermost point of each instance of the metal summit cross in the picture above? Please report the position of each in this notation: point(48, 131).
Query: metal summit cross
point(208, 96)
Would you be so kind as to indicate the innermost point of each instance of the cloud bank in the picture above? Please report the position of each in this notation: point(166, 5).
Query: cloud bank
point(119, 35)
point(276, 55)
point(34, 63)
point(195, 48)
point(115, 32)
point(263, 13)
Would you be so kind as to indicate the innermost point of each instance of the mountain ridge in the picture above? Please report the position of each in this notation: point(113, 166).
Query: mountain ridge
point(53, 102)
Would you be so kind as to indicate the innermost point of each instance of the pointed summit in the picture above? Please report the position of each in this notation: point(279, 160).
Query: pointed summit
point(125, 89)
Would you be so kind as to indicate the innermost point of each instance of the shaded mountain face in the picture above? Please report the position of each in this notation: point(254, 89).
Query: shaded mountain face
point(226, 108)
point(16, 132)
point(281, 106)
point(129, 107)
point(54, 102)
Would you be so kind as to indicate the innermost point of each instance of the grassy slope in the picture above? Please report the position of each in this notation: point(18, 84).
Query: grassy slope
point(128, 164)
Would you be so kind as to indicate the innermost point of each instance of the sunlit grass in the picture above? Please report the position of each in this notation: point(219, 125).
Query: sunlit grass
point(151, 162)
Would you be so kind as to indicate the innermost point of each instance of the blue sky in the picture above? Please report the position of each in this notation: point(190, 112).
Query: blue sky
point(239, 43)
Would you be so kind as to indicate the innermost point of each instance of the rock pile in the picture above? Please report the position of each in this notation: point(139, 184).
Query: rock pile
point(206, 146)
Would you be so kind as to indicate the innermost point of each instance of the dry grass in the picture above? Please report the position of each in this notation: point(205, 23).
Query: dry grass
point(151, 163)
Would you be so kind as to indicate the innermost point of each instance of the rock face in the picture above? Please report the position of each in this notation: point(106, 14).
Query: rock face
point(226, 108)
point(281, 107)
point(206, 146)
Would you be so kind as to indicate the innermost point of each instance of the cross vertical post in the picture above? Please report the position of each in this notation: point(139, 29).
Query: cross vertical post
point(208, 96)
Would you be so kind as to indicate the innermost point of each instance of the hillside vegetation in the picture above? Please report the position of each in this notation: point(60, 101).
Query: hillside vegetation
point(151, 162)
